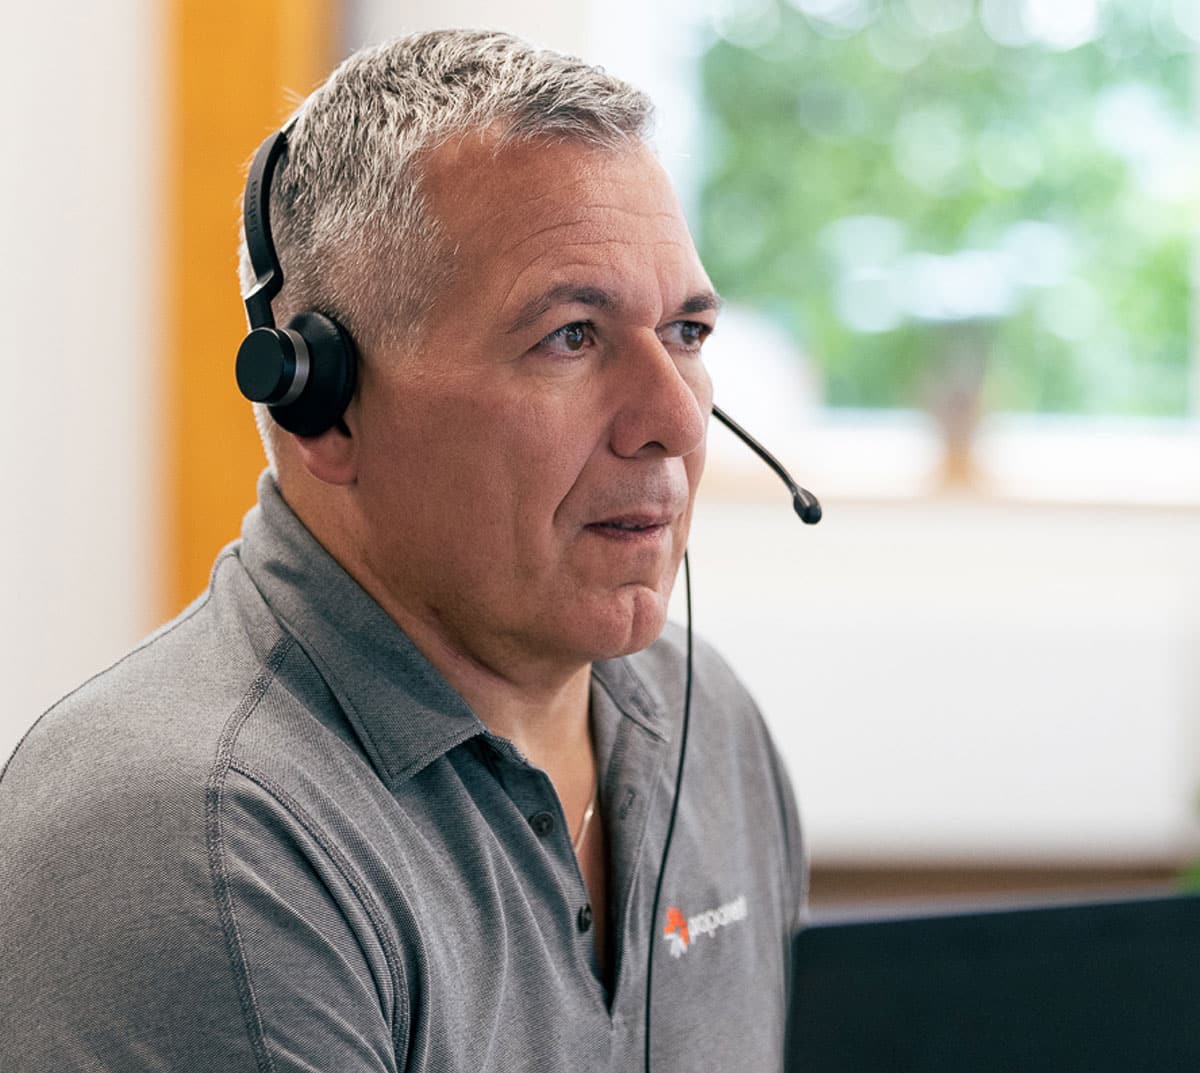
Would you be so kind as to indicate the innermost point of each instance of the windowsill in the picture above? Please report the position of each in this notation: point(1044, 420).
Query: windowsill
point(859, 455)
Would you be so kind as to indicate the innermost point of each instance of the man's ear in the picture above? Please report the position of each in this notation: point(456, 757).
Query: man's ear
point(332, 456)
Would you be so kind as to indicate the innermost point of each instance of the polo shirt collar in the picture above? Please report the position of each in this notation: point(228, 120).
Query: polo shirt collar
point(402, 709)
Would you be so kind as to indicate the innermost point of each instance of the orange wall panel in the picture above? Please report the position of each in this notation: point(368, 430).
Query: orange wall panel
point(236, 69)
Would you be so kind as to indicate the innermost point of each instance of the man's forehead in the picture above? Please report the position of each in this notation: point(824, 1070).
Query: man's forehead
point(475, 184)
point(535, 224)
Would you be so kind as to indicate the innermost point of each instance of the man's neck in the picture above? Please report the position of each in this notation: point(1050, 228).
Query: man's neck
point(545, 717)
point(539, 705)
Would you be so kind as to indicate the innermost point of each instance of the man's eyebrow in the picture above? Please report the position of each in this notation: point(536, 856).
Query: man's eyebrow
point(587, 295)
point(560, 294)
point(702, 303)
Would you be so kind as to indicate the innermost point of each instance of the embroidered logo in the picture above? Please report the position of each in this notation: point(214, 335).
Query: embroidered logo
point(676, 932)
point(679, 930)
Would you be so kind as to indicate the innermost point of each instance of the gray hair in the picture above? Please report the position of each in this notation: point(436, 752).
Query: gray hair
point(354, 236)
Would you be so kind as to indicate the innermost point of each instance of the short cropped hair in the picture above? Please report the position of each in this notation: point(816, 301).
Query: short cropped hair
point(354, 236)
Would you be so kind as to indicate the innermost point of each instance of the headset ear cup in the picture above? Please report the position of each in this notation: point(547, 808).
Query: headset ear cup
point(331, 379)
point(272, 366)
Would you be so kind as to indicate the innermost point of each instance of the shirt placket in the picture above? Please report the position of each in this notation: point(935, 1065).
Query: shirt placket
point(533, 794)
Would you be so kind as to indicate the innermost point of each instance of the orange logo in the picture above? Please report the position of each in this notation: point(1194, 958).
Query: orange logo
point(680, 930)
point(676, 931)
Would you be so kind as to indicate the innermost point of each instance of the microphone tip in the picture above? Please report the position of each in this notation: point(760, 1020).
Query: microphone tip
point(809, 511)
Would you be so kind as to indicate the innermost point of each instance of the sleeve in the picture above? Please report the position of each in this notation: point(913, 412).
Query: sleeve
point(795, 848)
point(154, 929)
point(728, 692)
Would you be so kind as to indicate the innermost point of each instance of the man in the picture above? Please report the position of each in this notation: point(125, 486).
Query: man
point(394, 793)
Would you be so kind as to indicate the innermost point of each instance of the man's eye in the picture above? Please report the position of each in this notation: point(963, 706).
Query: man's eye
point(570, 338)
point(688, 334)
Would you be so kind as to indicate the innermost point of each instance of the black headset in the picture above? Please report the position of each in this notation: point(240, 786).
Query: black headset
point(305, 371)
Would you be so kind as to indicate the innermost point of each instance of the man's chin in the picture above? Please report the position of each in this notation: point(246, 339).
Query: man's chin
point(635, 623)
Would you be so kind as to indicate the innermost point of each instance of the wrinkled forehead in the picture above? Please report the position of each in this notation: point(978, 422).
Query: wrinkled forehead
point(523, 213)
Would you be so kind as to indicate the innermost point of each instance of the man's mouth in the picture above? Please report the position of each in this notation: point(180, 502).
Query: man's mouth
point(626, 528)
point(629, 527)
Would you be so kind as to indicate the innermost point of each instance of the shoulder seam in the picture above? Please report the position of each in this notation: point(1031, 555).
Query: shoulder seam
point(370, 906)
point(216, 856)
point(185, 616)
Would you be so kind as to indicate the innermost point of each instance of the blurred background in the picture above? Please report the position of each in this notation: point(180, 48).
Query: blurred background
point(958, 243)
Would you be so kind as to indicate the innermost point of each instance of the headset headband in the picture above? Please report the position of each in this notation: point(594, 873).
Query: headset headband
point(256, 214)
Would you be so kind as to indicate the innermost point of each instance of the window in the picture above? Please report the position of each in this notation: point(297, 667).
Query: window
point(956, 205)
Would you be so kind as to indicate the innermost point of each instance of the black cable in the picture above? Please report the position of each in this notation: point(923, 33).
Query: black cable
point(662, 868)
point(809, 510)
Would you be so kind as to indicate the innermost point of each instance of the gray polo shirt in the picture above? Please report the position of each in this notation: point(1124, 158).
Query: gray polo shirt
point(274, 838)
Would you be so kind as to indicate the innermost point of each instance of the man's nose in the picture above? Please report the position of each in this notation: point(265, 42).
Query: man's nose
point(665, 401)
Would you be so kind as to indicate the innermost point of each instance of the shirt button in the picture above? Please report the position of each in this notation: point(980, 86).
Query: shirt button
point(542, 823)
point(584, 920)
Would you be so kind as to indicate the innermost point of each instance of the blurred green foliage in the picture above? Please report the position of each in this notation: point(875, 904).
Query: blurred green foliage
point(1190, 880)
point(912, 198)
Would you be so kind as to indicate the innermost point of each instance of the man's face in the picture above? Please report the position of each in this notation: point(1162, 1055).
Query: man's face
point(527, 473)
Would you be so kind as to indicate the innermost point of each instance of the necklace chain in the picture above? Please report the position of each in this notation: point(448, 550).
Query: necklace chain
point(588, 813)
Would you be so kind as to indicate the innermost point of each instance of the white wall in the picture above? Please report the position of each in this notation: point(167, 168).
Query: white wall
point(78, 299)
point(958, 680)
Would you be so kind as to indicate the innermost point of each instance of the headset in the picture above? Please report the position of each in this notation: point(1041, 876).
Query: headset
point(305, 372)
